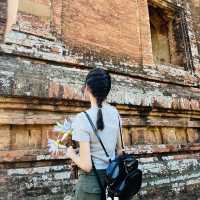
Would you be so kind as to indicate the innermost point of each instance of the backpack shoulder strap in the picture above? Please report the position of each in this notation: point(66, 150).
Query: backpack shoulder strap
point(103, 195)
point(95, 131)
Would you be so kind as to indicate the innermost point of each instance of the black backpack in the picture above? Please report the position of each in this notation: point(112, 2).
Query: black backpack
point(123, 178)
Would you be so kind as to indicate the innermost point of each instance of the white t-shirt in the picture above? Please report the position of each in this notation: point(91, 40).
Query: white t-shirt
point(110, 135)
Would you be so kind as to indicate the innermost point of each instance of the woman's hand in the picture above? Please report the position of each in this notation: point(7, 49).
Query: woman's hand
point(71, 152)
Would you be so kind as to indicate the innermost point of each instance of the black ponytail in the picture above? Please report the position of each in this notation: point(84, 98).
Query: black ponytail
point(99, 83)
point(100, 123)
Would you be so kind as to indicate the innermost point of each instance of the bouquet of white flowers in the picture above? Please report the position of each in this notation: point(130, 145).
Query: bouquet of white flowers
point(55, 146)
point(65, 130)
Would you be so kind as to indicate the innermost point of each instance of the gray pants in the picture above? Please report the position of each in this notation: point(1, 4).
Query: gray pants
point(87, 187)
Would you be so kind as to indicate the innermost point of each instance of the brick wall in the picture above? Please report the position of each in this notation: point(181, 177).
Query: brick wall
point(113, 28)
point(43, 63)
point(3, 15)
point(195, 9)
point(8, 13)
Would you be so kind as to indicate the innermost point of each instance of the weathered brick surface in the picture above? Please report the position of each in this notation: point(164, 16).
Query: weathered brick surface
point(43, 63)
point(57, 17)
point(3, 17)
point(43, 80)
point(38, 178)
point(43, 182)
point(5, 137)
point(145, 35)
point(38, 48)
point(193, 135)
point(179, 175)
point(194, 28)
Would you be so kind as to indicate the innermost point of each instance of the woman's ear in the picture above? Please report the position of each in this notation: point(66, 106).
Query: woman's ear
point(87, 93)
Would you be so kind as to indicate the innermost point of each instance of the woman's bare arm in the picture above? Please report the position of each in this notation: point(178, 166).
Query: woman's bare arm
point(84, 160)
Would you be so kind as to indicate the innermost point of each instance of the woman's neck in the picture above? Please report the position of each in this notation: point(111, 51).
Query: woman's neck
point(94, 103)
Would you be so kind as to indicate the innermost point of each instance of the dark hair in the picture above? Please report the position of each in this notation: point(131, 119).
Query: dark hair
point(99, 83)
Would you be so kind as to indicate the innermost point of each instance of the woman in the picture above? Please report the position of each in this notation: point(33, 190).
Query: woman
point(105, 117)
